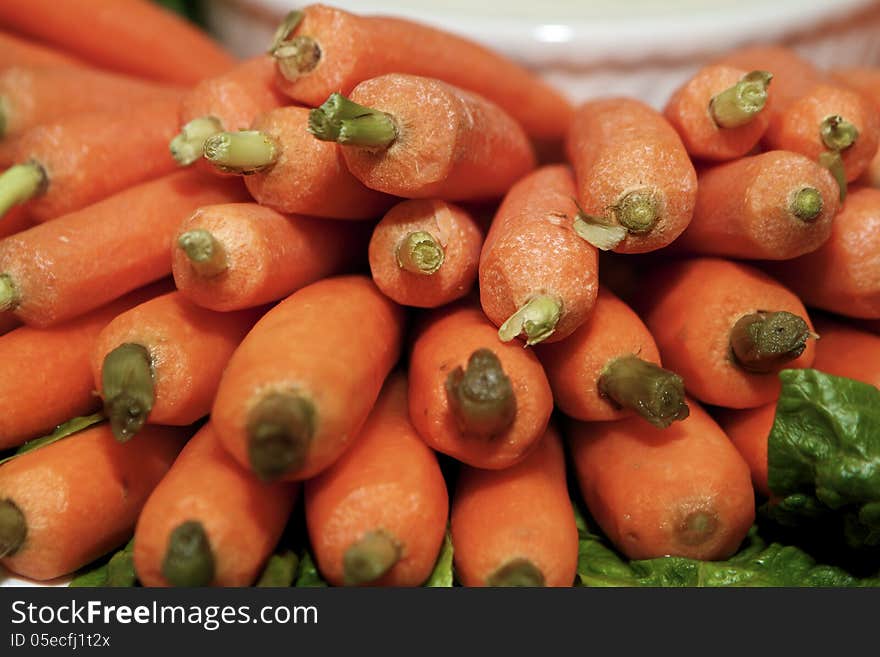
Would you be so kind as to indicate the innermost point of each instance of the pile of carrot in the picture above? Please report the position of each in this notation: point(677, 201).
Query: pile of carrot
point(337, 278)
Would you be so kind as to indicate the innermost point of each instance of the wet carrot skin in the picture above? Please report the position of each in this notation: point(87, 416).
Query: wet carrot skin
point(845, 349)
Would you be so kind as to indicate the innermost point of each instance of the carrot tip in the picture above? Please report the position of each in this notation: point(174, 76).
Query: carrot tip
point(345, 122)
point(9, 296)
point(188, 560)
point(296, 57)
point(517, 572)
point(537, 318)
point(418, 252)
point(832, 161)
point(370, 558)
point(807, 204)
point(837, 133)
point(481, 397)
point(243, 152)
point(189, 145)
point(288, 25)
point(656, 394)
point(738, 105)
point(21, 182)
point(206, 254)
point(637, 211)
point(13, 528)
point(128, 389)
point(280, 428)
point(603, 236)
point(697, 527)
point(763, 341)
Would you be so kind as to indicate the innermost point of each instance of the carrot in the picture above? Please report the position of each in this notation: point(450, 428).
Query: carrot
point(537, 277)
point(775, 206)
point(721, 112)
point(609, 368)
point(422, 138)
point(867, 82)
point(377, 516)
point(425, 253)
point(845, 350)
point(683, 491)
point(241, 255)
point(725, 328)
point(8, 323)
point(68, 503)
point(481, 401)
point(74, 162)
point(18, 51)
point(66, 267)
point(635, 182)
point(15, 221)
point(842, 275)
point(324, 49)
point(812, 114)
point(289, 171)
point(230, 101)
point(288, 413)
point(209, 521)
point(749, 430)
point(45, 376)
point(133, 36)
point(516, 527)
point(160, 362)
point(32, 96)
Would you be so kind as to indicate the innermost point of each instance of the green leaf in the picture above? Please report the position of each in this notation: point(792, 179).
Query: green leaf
point(824, 453)
point(118, 571)
point(442, 576)
point(307, 575)
point(64, 430)
point(280, 570)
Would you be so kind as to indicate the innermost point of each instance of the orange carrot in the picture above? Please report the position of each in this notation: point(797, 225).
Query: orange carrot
point(422, 138)
point(726, 328)
point(516, 527)
point(241, 255)
point(230, 101)
point(749, 429)
point(18, 51)
point(844, 350)
point(45, 376)
point(537, 277)
point(425, 253)
point(775, 206)
point(323, 50)
point(66, 267)
point(481, 401)
point(31, 96)
point(133, 36)
point(609, 368)
point(635, 182)
point(161, 361)
point(377, 516)
point(290, 171)
point(68, 503)
point(74, 162)
point(15, 221)
point(209, 521)
point(842, 275)
point(683, 491)
point(721, 113)
point(811, 113)
point(288, 413)
point(8, 323)
point(867, 82)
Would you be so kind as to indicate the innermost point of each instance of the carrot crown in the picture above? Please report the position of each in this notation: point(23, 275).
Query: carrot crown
point(280, 427)
point(206, 254)
point(20, 183)
point(517, 572)
point(294, 55)
point(370, 558)
point(537, 319)
point(806, 204)
point(189, 144)
point(243, 152)
point(837, 133)
point(654, 393)
point(763, 341)
point(481, 397)
point(418, 252)
point(738, 105)
point(636, 213)
point(345, 122)
point(128, 387)
point(9, 295)
point(13, 528)
point(188, 560)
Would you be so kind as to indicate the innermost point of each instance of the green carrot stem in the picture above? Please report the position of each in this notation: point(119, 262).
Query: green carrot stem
point(243, 152)
point(280, 570)
point(20, 183)
point(740, 104)
point(832, 161)
point(280, 427)
point(9, 294)
point(206, 254)
point(637, 211)
point(837, 133)
point(654, 393)
point(129, 389)
point(594, 230)
point(481, 396)
point(189, 145)
point(189, 560)
point(370, 558)
point(284, 29)
point(420, 253)
point(13, 528)
point(297, 56)
point(537, 318)
point(763, 341)
point(806, 204)
point(517, 572)
point(346, 122)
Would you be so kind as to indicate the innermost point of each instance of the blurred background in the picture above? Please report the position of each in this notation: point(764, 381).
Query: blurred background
point(589, 48)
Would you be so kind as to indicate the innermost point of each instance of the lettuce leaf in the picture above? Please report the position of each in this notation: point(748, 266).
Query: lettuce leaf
point(442, 576)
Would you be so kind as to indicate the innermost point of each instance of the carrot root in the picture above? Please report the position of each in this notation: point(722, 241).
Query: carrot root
point(763, 341)
point(419, 253)
point(654, 393)
point(206, 254)
point(837, 133)
point(189, 145)
point(738, 105)
point(129, 393)
point(188, 559)
point(370, 558)
point(346, 122)
point(537, 319)
point(13, 528)
point(807, 204)
point(280, 428)
point(516, 572)
point(481, 397)
point(9, 294)
point(242, 152)
point(20, 183)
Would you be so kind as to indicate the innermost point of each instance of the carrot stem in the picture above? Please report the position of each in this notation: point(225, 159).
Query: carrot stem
point(9, 296)
point(697, 527)
point(288, 25)
point(837, 133)
point(13, 528)
point(347, 122)
point(603, 236)
point(418, 252)
point(296, 57)
point(481, 397)
point(537, 318)
point(188, 560)
point(762, 341)
point(832, 161)
point(637, 211)
point(738, 105)
point(189, 145)
point(19, 183)
point(517, 572)
point(206, 255)
point(806, 204)
point(370, 558)
point(127, 382)
point(654, 393)
point(280, 427)
point(242, 152)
